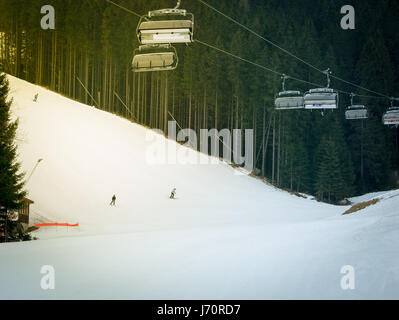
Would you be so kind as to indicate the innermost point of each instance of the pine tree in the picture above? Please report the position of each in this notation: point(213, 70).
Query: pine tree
point(11, 179)
point(329, 183)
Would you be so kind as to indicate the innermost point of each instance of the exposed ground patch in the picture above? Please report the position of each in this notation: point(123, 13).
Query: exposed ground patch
point(361, 206)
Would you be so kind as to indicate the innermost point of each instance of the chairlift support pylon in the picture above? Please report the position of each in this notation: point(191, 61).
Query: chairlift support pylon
point(391, 117)
point(166, 26)
point(321, 98)
point(288, 99)
point(155, 58)
point(356, 112)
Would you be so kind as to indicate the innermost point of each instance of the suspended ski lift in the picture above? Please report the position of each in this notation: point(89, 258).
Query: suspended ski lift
point(321, 98)
point(155, 58)
point(391, 117)
point(356, 112)
point(166, 26)
point(288, 99)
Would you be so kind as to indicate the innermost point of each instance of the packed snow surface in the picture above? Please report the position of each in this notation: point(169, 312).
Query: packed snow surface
point(226, 236)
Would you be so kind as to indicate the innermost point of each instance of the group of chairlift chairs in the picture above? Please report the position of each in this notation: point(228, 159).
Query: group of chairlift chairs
point(327, 98)
point(159, 29)
point(156, 32)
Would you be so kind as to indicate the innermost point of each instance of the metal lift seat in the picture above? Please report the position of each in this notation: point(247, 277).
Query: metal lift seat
point(152, 59)
point(356, 112)
point(287, 100)
point(321, 98)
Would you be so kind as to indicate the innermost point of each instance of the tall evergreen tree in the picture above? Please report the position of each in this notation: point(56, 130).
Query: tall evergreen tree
point(11, 179)
point(329, 184)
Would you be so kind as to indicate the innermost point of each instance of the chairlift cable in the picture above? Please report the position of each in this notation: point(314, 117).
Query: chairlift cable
point(288, 52)
point(382, 96)
point(260, 66)
point(123, 8)
point(360, 87)
point(238, 57)
point(259, 36)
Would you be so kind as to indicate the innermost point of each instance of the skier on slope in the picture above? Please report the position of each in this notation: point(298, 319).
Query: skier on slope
point(113, 201)
point(172, 194)
point(35, 98)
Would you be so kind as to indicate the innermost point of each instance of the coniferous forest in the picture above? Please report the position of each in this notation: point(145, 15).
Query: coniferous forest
point(325, 155)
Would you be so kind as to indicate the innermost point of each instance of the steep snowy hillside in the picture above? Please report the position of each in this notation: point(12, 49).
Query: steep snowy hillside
point(226, 236)
point(89, 155)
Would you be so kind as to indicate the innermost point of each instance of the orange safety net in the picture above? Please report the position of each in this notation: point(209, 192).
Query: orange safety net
point(56, 225)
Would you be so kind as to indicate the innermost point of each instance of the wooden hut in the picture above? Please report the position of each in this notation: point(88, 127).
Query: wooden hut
point(23, 212)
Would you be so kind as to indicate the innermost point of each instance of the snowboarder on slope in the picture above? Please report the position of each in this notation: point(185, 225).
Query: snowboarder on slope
point(35, 98)
point(113, 201)
point(172, 194)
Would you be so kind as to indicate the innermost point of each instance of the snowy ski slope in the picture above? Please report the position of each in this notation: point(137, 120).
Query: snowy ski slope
point(227, 236)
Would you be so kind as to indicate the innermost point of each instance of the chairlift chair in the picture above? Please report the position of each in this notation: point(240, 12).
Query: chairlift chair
point(391, 117)
point(166, 26)
point(288, 99)
point(321, 98)
point(356, 112)
point(155, 58)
